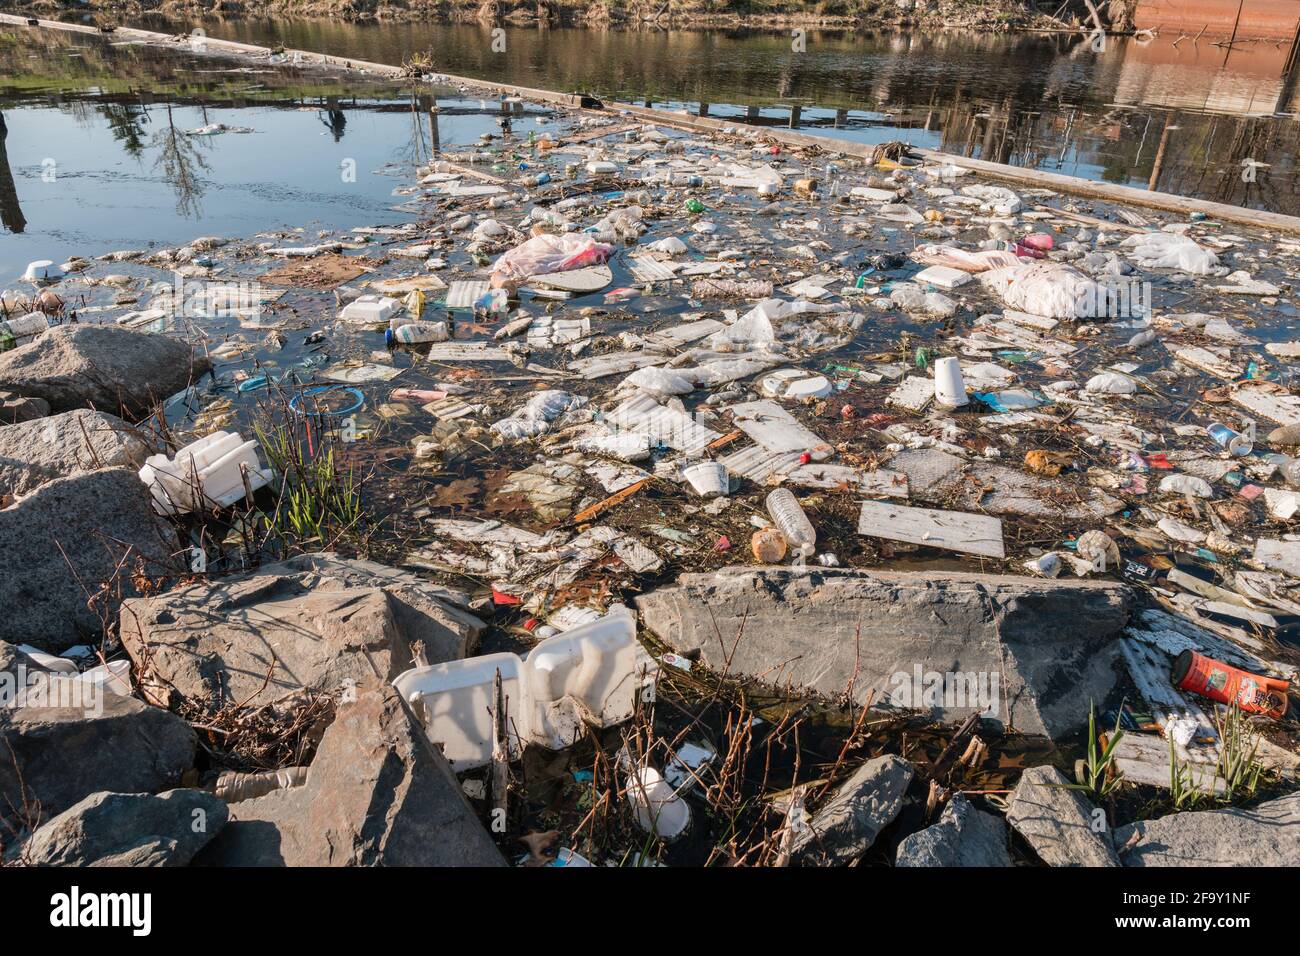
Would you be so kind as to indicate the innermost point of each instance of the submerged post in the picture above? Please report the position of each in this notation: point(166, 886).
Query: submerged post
point(1160, 153)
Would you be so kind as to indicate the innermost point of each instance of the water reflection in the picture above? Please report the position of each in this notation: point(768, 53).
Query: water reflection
point(1046, 101)
point(181, 161)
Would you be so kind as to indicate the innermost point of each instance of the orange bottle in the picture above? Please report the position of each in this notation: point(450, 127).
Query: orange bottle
point(1229, 685)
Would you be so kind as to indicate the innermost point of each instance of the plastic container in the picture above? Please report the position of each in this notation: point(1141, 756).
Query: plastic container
point(42, 270)
point(788, 516)
point(415, 332)
point(768, 545)
point(949, 389)
point(657, 807)
point(596, 672)
point(204, 473)
point(1228, 685)
point(369, 308)
point(707, 478)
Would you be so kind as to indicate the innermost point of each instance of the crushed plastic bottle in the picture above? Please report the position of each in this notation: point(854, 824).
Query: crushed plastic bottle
point(790, 520)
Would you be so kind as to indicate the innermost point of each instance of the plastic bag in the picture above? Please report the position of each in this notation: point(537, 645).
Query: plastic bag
point(537, 414)
point(1164, 250)
point(1000, 199)
point(912, 300)
point(671, 245)
point(1049, 289)
point(543, 255)
point(954, 258)
point(658, 381)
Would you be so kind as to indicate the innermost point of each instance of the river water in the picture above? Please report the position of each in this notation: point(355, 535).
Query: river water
point(95, 161)
point(1048, 101)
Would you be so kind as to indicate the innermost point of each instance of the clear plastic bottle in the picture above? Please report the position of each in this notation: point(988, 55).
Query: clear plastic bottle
point(1290, 470)
point(790, 520)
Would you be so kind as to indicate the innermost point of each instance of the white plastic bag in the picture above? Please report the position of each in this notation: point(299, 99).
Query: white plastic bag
point(1049, 289)
point(658, 381)
point(1163, 250)
point(537, 414)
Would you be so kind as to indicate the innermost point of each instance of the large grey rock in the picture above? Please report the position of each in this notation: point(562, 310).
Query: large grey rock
point(1026, 652)
point(99, 366)
point(52, 757)
point(1058, 823)
point(849, 823)
point(313, 622)
point(35, 452)
point(1264, 835)
point(66, 541)
point(128, 829)
point(964, 836)
point(377, 794)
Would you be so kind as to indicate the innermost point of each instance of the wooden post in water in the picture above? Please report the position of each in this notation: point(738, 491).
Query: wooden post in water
point(795, 111)
point(11, 213)
point(435, 141)
point(1160, 153)
point(704, 108)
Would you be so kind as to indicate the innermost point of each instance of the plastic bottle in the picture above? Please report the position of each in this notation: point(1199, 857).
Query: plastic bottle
point(790, 520)
point(415, 332)
point(20, 328)
point(1287, 467)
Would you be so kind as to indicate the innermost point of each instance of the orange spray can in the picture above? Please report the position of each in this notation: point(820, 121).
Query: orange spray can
point(1229, 685)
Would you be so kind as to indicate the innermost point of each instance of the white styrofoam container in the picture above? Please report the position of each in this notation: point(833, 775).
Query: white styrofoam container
point(214, 464)
point(596, 672)
point(369, 308)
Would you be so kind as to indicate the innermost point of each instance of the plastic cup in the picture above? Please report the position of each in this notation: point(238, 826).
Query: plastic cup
point(949, 389)
point(707, 478)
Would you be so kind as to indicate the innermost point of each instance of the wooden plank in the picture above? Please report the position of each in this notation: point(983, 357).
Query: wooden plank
point(467, 352)
point(614, 499)
point(1144, 759)
point(650, 269)
point(951, 530)
point(1207, 361)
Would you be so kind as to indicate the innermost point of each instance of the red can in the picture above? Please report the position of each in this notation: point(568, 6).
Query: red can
point(1229, 685)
